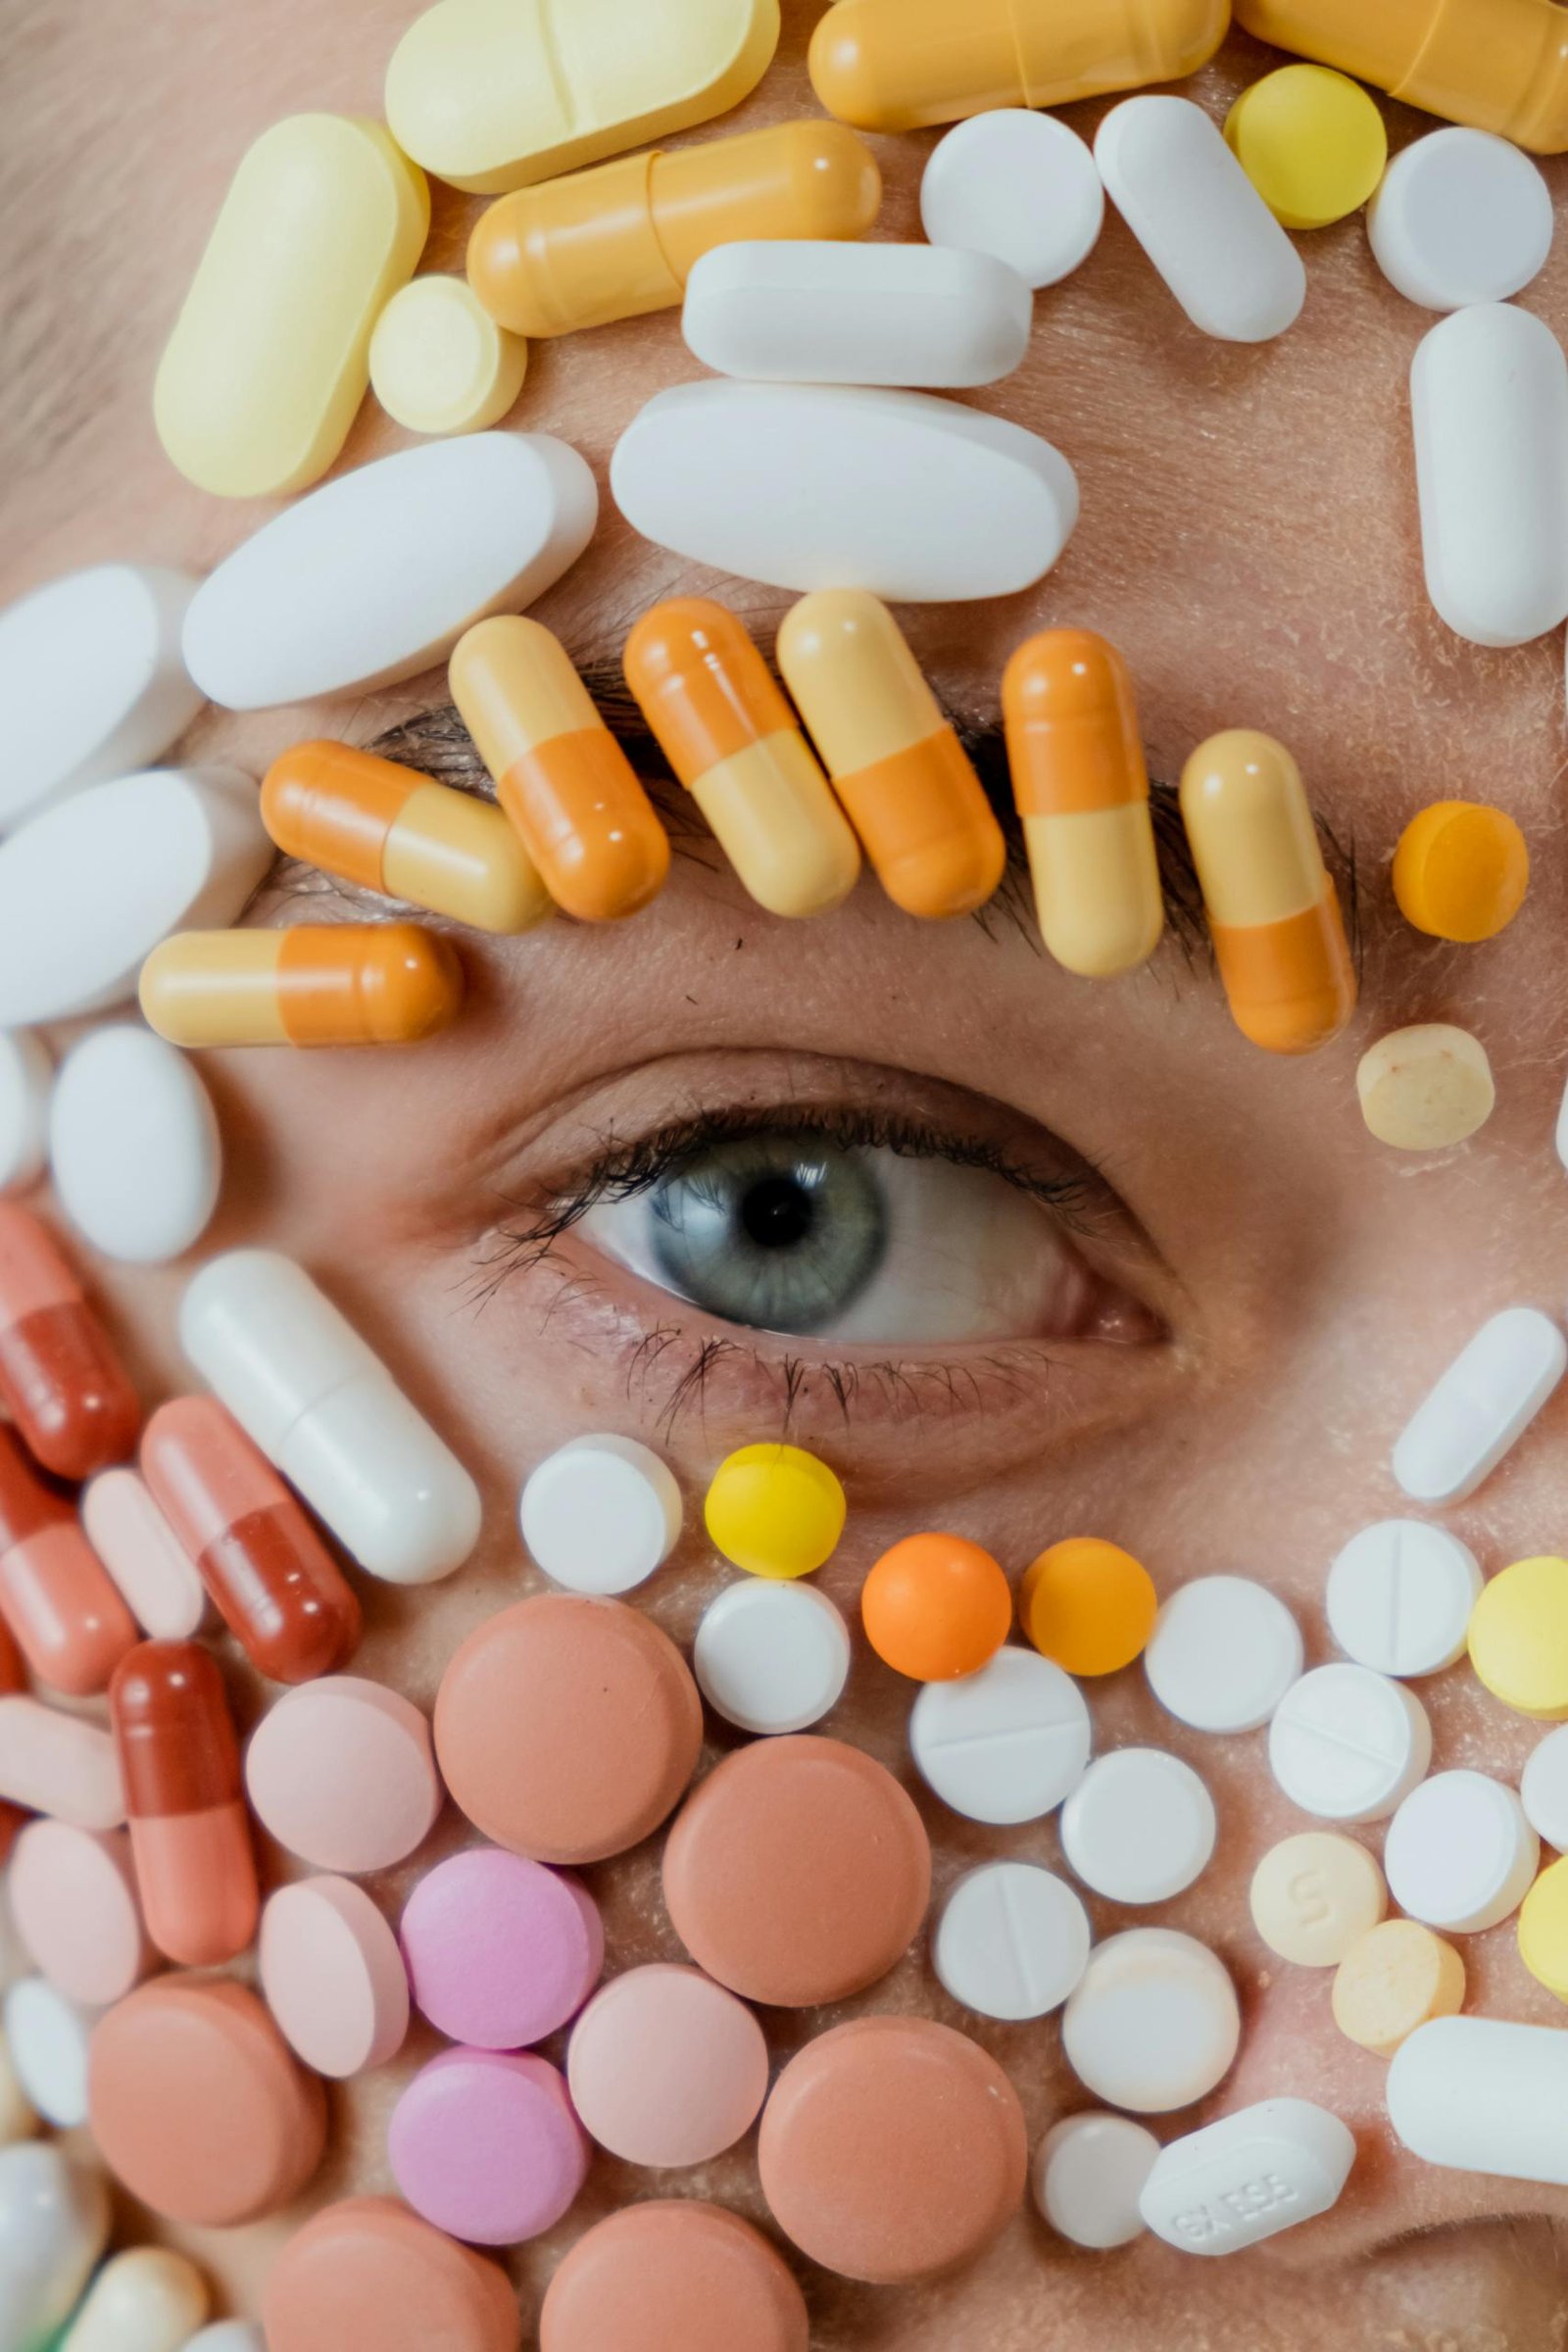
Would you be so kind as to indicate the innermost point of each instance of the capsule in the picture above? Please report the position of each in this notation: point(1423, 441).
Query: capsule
point(71, 1624)
point(1082, 791)
point(317, 984)
point(732, 738)
point(898, 65)
point(189, 1835)
point(1273, 912)
point(272, 1579)
point(13, 1684)
point(390, 829)
point(897, 765)
point(60, 1379)
point(560, 774)
point(621, 240)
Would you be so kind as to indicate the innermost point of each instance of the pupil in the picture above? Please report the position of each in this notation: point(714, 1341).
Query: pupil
point(777, 1213)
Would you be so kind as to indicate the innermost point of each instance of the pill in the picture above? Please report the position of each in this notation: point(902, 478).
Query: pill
point(189, 1835)
point(1311, 142)
point(89, 888)
point(1349, 1744)
point(1272, 909)
point(18, 2119)
point(1459, 1853)
point(60, 1378)
point(1140, 1826)
point(672, 2277)
point(813, 486)
point(438, 362)
point(1481, 1407)
point(330, 1967)
point(1154, 2022)
point(369, 2271)
point(68, 1619)
point(904, 778)
point(1482, 2096)
point(73, 1898)
point(772, 1657)
point(341, 1773)
point(1543, 1930)
point(1461, 870)
point(799, 1872)
point(47, 2036)
point(892, 2149)
point(1400, 1596)
point(156, 1576)
point(1012, 1941)
point(1081, 787)
point(1223, 1654)
point(59, 1764)
point(1005, 1745)
point(601, 1514)
point(1089, 2174)
point(325, 1411)
point(734, 742)
point(1544, 1788)
point(1088, 1605)
point(54, 2222)
point(500, 1951)
point(1392, 1978)
point(26, 1080)
point(1315, 1896)
point(1020, 185)
point(1246, 2178)
point(198, 2107)
point(1462, 217)
point(485, 2145)
point(1427, 1088)
point(567, 1727)
point(147, 2299)
point(774, 1510)
point(229, 2336)
point(935, 1607)
point(134, 1147)
point(665, 2068)
point(327, 984)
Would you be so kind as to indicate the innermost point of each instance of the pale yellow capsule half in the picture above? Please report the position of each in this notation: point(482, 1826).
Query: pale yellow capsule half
point(270, 357)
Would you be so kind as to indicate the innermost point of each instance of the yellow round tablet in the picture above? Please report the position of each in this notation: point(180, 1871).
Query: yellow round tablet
point(1462, 871)
point(1311, 142)
point(774, 1510)
point(1519, 1638)
point(1427, 1088)
point(1399, 1975)
point(439, 363)
point(1088, 1605)
point(1315, 1896)
point(1543, 1930)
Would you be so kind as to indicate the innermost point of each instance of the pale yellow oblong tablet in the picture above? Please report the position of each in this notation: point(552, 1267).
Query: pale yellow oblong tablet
point(497, 94)
point(270, 357)
point(439, 363)
point(1426, 1088)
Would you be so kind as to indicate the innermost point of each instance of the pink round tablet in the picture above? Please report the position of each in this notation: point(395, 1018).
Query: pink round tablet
point(667, 2068)
point(341, 1772)
point(500, 1951)
point(73, 1896)
point(487, 2146)
point(333, 1977)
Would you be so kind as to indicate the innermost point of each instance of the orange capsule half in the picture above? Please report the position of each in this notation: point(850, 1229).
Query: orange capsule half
point(318, 984)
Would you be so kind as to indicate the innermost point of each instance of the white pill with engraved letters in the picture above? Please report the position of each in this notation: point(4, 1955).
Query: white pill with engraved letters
point(1249, 2177)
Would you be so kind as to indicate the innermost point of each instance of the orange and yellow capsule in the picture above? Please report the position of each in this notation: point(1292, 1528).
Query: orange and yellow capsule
point(903, 775)
point(318, 984)
point(1273, 911)
point(561, 776)
point(733, 741)
point(1082, 791)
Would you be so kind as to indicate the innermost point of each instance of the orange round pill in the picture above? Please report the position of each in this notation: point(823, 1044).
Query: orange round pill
point(1087, 1605)
point(936, 1607)
point(673, 2276)
point(1461, 870)
point(369, 2271)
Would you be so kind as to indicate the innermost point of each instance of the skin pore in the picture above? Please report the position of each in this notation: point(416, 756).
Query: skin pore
point(1248, 540)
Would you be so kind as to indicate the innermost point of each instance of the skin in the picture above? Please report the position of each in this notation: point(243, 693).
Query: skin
point(1250, 540)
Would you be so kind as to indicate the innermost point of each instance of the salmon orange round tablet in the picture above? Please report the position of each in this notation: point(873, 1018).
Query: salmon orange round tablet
point(1461, 870)
point(1088, 1605)
point(936, 1607)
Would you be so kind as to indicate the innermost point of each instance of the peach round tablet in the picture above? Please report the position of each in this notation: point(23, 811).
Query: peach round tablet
point(799, 1872)
point(500, 1951)
point(567, 1727)
point(333, 1977)
point(672, 2278)
point(369, 2273)
point(340, 1771)
point(665, 2068)
point(892, 2149)
point(73, 1896)
point(486, 2146)
point(197, 2105)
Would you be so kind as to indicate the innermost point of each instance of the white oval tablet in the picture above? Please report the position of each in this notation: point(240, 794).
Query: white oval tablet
point(26, 1077)
point(1481, 2095)
point(1089, 2174)
point(1155, 2023)
point(1462, 217)
point(772, 1657)
point(1140, 1826)
point(89, 888)
point(1348, 1744)
point(1460, 1855)
point(1400, 1598)
point(913, 498)
point(1223, 1654)
point(48, 2039)
point(600, 1514)
point(1483, 1404)
point(1011, 1942)
point(375, 576)
point(134, 1145)
point(1544, 1788)
point(1005, 1745)
point(1248, 2177)
point(54, 2223)
point(1017, 184)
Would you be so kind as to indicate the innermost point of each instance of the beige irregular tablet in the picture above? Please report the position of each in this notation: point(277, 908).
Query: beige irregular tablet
point(1397, 1976)
point(1315, 1896)
point(1425, 1088)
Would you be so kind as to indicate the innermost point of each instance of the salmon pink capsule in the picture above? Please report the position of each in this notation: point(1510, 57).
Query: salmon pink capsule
point(55, 1595)
point(189, 1834)
point(60, 1379)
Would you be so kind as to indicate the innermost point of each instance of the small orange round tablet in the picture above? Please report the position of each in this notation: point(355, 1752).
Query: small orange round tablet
point(1087, 1605)
point(1461, 870)
point(370, 2273)
point(673, 2276)
point(936, 1607)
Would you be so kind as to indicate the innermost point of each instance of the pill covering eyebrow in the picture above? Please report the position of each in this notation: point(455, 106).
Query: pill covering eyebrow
point(313, 984)
point(1481, 1407)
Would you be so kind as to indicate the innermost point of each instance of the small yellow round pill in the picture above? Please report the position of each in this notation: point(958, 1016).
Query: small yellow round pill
point(1543, 1930)
point(1519, 1638)
point(439, 363)
point(1426, 1088)
point(1462, 871)
point(774, 1510)
point(1397, 1976)
point(1311, 142)
point(1088, 1605)
point(1315, 1896)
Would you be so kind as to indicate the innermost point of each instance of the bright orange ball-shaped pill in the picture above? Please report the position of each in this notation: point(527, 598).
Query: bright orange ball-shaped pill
point(935, 1607)
point(1088, 1607)
point(1461, 870)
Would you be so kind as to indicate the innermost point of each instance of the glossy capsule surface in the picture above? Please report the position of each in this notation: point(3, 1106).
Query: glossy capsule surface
point(328, 984)
point(1081, 786)
point(1273, 911)
point(60, 1379)
point(732, 738)
point(189, 1834)
point(55, 1595)
point(561, 776)
point(905, 779)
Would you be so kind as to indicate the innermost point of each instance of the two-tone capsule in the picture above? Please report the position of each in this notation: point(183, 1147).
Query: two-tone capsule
point(189, 1834)
point(561, 778)
point(55, 1595)
point(734, 742)
point(1082, 791)
point(905, 779)
point(1273, 911)
point(315, 984)
point(60, 1379)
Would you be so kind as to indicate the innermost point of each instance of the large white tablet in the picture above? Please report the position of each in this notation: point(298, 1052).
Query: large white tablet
point(134, 1145)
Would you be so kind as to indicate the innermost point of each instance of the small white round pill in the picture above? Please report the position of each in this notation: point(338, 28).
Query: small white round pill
point(1155, 2022)
point(134, 1145)
point(1462, 217)
point(772, 1657)
point(1223, 1654)
point(1544, 1788)
point(1019, 185)
point(1348, 1744)
point(1005, 1745)
point(1012, 1943)
point(48, 2042)
point(601, 1514)
point(27, 1075)
point(1459, 1853)
point(1089, 2174)
point(1400, 1598)
point(1139, 1827)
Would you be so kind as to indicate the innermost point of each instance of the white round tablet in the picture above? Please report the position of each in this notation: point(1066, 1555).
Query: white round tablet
point(772, 1657)
point(1349, 1744)
point(134, 1145)
point(1459, 1853)
point(1544, 1788)
point(1089, 2174)
point(27, 1075)
point(1223, 1654)
point(1005, 1745)
point(1012, 1943)
point(48, 2042)
point(1462, 217)
point(1019, 185)
point(1139, 1827)
point(1155, 2022)
point(1400, 1598)
point(601, 1514)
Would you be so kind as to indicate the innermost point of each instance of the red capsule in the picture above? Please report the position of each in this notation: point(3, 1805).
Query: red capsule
point(60, 1379)
point(55, 1595)
point(189, 1834)
point(13, 1682)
